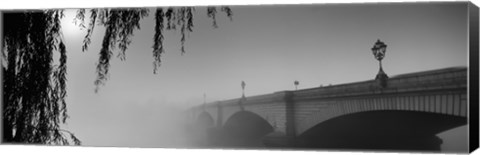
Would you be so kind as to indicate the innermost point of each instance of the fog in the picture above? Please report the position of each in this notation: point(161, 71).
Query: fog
point(138, 109)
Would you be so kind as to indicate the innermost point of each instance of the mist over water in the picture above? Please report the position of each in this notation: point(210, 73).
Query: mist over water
point(124, 114)
point(155, 124)
point(136, 125)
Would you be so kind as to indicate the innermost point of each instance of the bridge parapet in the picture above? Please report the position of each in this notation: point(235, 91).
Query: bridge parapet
point(259, 99)
point(450, 78)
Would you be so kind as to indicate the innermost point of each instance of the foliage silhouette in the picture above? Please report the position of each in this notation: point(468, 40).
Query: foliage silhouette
point(34, 87)
point(120, 24)
point(34, 84)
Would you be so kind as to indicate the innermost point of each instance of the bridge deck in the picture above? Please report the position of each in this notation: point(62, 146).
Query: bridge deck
point(426, 81)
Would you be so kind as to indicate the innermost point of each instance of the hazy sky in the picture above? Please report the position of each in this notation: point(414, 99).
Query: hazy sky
point(268, 47)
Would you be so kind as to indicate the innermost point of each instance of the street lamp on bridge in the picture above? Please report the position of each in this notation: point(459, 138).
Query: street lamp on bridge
point(243, 88)
point(379, 49)
point(204, 100)
point(296, 84)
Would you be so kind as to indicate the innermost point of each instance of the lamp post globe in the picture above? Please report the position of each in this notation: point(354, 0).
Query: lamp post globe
point(379, 50)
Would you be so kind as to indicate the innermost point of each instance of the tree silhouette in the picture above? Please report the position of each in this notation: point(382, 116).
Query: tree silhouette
point(34, 84)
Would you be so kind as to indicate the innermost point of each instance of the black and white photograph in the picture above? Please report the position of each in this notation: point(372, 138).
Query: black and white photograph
point(355, 77)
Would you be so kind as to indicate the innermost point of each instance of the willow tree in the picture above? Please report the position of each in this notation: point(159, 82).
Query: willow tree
point(34, 59)
point(120, 24)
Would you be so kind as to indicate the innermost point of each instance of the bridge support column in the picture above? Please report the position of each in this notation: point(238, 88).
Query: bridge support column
point(219, 124)
point(284, 137)
point(290, 118)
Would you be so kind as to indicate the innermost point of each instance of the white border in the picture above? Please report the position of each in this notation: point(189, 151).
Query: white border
point(53, 150)
point(32, 4)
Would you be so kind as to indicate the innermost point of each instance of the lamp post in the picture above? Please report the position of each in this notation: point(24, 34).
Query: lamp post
point(204, 101)
point(296, 84)
point(204, 98)
point(243, 88)
point(240, 101)
point(379, 49)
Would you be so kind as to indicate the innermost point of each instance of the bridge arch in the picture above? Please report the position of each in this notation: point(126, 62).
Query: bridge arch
point(243, 129)
point(247, 123)
point(451, 103)
point(382, 129)
point(206, 120)
point(201, 128)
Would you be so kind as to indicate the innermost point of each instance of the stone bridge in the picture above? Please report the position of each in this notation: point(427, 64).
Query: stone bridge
point(405, 114)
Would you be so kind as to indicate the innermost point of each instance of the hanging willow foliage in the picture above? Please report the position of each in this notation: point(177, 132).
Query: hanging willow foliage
point(120, 24)
point(34, 85)
point(34, 88)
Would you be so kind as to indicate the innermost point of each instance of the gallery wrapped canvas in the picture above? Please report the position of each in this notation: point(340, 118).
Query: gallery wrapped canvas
point(360, 77)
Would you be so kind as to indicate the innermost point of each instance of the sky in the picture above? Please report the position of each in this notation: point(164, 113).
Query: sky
point(268, 47)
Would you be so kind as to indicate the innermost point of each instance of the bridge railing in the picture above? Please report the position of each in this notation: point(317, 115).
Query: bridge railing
point(258, 99)
point(450, 78)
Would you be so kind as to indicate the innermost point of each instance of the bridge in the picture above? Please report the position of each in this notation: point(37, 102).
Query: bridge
point(406, 114)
